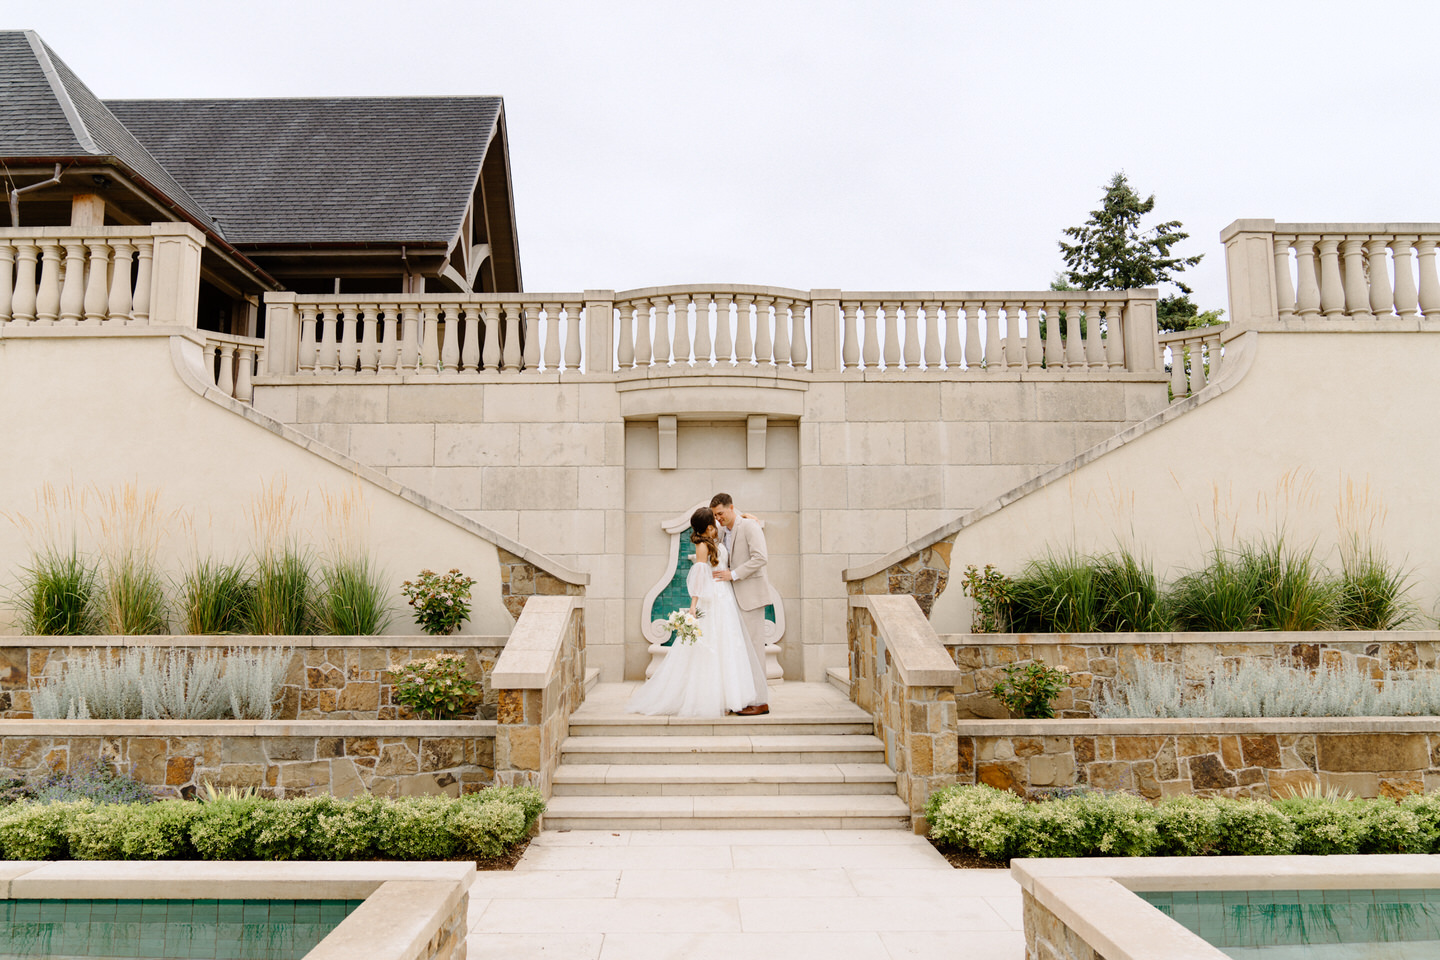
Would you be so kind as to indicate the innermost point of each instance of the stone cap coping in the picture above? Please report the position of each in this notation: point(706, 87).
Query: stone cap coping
point(1398, 871)
point(1117, 924)
point(247, 728)
point(454, 641)
point(1237, 365)
point(910, 643)
point(1367, 229)
point(187, 364)
point(1170, 727)
point(1236, 638)
point(533, 650)
point(220, 879)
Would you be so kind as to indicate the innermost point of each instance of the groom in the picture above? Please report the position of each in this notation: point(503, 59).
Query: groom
point(745, 540)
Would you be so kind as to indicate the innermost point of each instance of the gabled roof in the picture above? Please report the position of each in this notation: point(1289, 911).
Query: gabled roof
point(46, 112)
point(328, 170)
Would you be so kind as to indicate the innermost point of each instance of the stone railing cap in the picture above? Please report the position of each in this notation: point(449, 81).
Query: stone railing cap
point(910, 642)
point(533, 649)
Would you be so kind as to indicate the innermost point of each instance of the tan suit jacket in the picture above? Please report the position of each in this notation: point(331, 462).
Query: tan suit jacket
point(748, 557)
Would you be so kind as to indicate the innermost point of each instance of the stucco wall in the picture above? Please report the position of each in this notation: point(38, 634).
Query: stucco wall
point(101, 412)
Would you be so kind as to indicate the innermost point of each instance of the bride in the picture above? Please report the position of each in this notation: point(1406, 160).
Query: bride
point(720, 672)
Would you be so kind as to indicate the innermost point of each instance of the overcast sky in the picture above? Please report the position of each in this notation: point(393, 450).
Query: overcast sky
point(881, 146)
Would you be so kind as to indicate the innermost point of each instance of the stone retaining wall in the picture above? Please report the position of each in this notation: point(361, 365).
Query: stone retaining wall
point(1047, 937)
point(328, 678)
point(280, 759)
point(1095, 660)
point(1260, 758)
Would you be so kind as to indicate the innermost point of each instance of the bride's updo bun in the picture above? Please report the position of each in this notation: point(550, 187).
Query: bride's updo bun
point(700, 521)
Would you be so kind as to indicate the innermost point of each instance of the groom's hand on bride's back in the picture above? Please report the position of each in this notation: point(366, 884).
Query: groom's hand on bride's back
point(724, 575)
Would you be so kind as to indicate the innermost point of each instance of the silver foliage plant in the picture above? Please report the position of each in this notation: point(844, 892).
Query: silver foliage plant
point(151, 684)
point(1269, 689)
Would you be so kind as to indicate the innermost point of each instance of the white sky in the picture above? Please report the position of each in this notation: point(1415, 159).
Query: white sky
point(844, 144)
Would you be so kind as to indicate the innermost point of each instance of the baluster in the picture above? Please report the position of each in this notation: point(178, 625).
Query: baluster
point(510, 343)
point(244, 385)
point(47, 301)
point(1034, 345)
point(871, 354)
point(327, 359)
point(490, 352)
point(1115, 336)
point(1429, 284)
point(1094, 346)
point(1179, 386)
point(1406, 298)
point(530, 338)
point(1377, 256)
point(1307, 298)
point(764, 340)
point(782, 331)
point(211, 353)
point(450, 339)
point(932, 335)
point(409, 338)
point(468, 328)
point(644, 349)
point(551, 326)
point(118, 306)
point(1054, 346)
point(226, 379)
point(97, 286)
point(72, 288)
point(349, 337)
point(1357, 293)
point(799, 344)
point(1213, 350)
point(681, 339)
point(390, 341)
point(1074, 339)
point(911, 352)
point(1284, 292)
point(1332, 287)
point(850, 345)
point(573, 353)
point(625, 351)
point(1014, 348)
point(994, 357)
point(661, 335)
point(950, 350)
point(429, 337)
point(744, 338)
point(891, 354)
point(974, 355)
point(369, 339)
point(25, 287)
point(724, 341)
point(140, 304)
point(7, 281)
point(306, 352)
point(702, 329)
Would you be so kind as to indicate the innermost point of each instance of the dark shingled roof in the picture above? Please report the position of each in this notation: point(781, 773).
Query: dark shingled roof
point(46, 111)
point(294, 171)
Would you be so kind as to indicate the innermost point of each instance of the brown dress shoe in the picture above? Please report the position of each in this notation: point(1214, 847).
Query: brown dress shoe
point(754, 710)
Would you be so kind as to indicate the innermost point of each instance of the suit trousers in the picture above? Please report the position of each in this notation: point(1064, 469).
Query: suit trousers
point(754, 623)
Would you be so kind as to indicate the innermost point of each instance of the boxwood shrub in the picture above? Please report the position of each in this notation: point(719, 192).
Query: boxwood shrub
point(479, 825)
point(999, 825)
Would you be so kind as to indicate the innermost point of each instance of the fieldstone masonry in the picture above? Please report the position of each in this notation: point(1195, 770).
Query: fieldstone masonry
point(520, 580)
point(1047, 937)
point(540, 678)
point(923, 575)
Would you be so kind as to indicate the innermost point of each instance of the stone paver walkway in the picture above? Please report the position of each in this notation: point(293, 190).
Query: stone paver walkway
point(732, 895)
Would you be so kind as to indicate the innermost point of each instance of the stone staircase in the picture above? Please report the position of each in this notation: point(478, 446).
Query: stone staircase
point(813, 762)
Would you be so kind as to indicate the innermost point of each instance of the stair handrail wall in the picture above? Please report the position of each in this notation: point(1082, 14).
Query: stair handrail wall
point(712, 329)
point(539, 682)
point(902, 674)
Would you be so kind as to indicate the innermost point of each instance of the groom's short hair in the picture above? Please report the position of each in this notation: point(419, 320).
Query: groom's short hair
point(721, 500)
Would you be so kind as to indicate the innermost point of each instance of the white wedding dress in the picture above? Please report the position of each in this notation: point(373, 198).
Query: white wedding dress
point(720, 671)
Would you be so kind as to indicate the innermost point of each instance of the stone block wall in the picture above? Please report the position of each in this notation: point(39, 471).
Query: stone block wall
point(923, 575)
point(533, 719)
point(328, 677)
point(1259, 758)
point(520, 580)
point(281, 759)
point(1094, 661)
point(1047, 937)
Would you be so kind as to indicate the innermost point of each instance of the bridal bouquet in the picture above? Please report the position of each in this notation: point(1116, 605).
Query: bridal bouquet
point(684, 626)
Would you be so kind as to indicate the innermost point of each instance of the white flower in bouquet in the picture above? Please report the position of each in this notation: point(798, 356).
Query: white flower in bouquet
point(684, 626)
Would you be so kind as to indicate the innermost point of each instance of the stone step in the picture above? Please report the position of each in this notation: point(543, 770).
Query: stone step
point(723, 779)
point(727, 813)
point(837, 724)
point(839, 678)
point(841, 748)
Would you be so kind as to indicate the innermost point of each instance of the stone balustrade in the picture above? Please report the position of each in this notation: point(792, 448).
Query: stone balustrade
point(1194, 358)
point(1332, 271)
point(707, 329)
point(232, 363)
point(100, 276)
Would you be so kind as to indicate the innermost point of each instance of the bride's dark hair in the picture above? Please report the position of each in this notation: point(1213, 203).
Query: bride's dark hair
point(700, 521)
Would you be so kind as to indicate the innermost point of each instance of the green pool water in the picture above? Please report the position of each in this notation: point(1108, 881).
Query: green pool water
point(1313, 924)
point(166, 929)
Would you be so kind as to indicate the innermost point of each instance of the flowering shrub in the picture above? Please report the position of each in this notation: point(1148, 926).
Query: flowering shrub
point(684, 625)
point(435, 688)
point(1030, 690)
point(991, 592)
point(441, 602)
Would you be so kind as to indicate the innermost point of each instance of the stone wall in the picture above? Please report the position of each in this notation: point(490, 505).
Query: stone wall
point(520, 580)
point(1094, 661)
point(541, 681)
point(1047, 937)
point(1261, 758)
point(923, 575)
point(281, 759)
point(328, 678)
